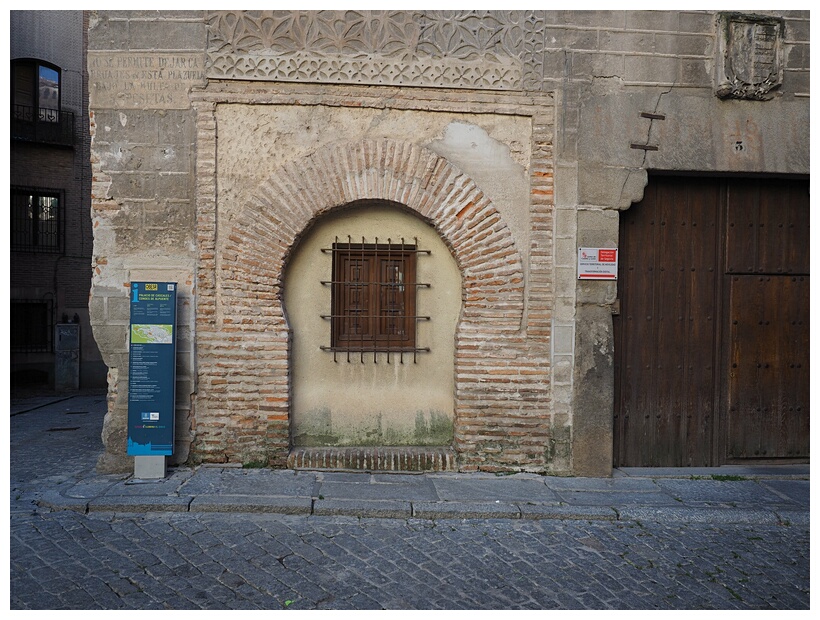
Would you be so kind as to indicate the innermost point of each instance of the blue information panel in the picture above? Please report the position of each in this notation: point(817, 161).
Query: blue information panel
point(152, 368)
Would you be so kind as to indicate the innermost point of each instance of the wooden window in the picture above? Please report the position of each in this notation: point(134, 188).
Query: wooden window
point(373, 297)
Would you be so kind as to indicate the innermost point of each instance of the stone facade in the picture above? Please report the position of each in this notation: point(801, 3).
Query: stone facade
point(517, 136)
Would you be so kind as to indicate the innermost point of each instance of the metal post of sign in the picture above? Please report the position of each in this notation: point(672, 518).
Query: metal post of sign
point(149, 467)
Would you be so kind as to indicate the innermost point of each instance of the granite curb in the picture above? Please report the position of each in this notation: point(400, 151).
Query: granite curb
point(421, 510)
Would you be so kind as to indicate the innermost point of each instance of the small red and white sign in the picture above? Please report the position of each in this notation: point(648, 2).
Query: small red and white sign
point(597, 263)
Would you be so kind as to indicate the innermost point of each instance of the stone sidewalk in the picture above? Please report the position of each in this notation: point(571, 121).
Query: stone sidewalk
point(768, 496)
point(730, 494)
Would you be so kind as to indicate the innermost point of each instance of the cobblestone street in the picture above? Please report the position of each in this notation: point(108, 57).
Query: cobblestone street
point(184, 561)
point(223, 560)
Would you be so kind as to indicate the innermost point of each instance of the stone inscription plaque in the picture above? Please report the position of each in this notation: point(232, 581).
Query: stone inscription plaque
point(137, 80)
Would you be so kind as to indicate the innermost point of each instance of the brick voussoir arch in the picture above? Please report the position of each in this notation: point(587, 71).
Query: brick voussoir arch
point(265, 231)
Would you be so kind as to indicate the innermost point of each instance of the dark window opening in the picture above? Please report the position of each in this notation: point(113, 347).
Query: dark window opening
point(373, 298)
point(35, 220)
point(31, 326)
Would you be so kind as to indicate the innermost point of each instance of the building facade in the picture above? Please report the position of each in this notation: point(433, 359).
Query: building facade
point(51, 238)
point(378, 223)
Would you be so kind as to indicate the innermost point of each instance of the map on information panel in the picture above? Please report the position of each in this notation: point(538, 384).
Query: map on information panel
point(152, 334)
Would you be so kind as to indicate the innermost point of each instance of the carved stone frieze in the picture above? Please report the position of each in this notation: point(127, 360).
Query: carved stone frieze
point(439, 49)
point(389, 33)
point(532, 55)
point(490, 35)
point(370, 69)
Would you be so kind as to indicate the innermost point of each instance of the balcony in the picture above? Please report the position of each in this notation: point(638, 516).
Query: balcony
point(42, 125)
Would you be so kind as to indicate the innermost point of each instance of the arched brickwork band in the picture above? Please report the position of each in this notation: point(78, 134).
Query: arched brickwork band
point(243, 343)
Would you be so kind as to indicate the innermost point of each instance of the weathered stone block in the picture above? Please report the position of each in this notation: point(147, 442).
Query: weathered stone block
point(597, 228)
point(119, 309)
point(181, 35)
point(613, 187)
point(594, 386)
point(664, 21)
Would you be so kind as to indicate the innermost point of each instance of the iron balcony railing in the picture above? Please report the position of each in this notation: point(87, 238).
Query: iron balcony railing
point(42, 125)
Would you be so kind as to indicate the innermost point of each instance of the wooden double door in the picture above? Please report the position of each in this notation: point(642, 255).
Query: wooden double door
point(712, 335)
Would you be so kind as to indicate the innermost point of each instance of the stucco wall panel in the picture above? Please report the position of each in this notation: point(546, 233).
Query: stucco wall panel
point(253, 251)
point(258, 139)
point(362, 398)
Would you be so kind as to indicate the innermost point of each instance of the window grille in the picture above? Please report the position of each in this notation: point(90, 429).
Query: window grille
point(35, 220)
point(373, 299)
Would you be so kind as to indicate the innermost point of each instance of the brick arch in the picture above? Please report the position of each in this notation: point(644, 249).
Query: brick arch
point(252, 261)
point(295, 195)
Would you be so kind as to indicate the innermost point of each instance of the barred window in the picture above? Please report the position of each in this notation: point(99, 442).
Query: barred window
point(31, 325)
point(373, 298)
point(35, 220)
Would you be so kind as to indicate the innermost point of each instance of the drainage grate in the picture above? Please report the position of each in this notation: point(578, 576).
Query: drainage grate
point(75, 412)
point(66, 428)
point(396, 459)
